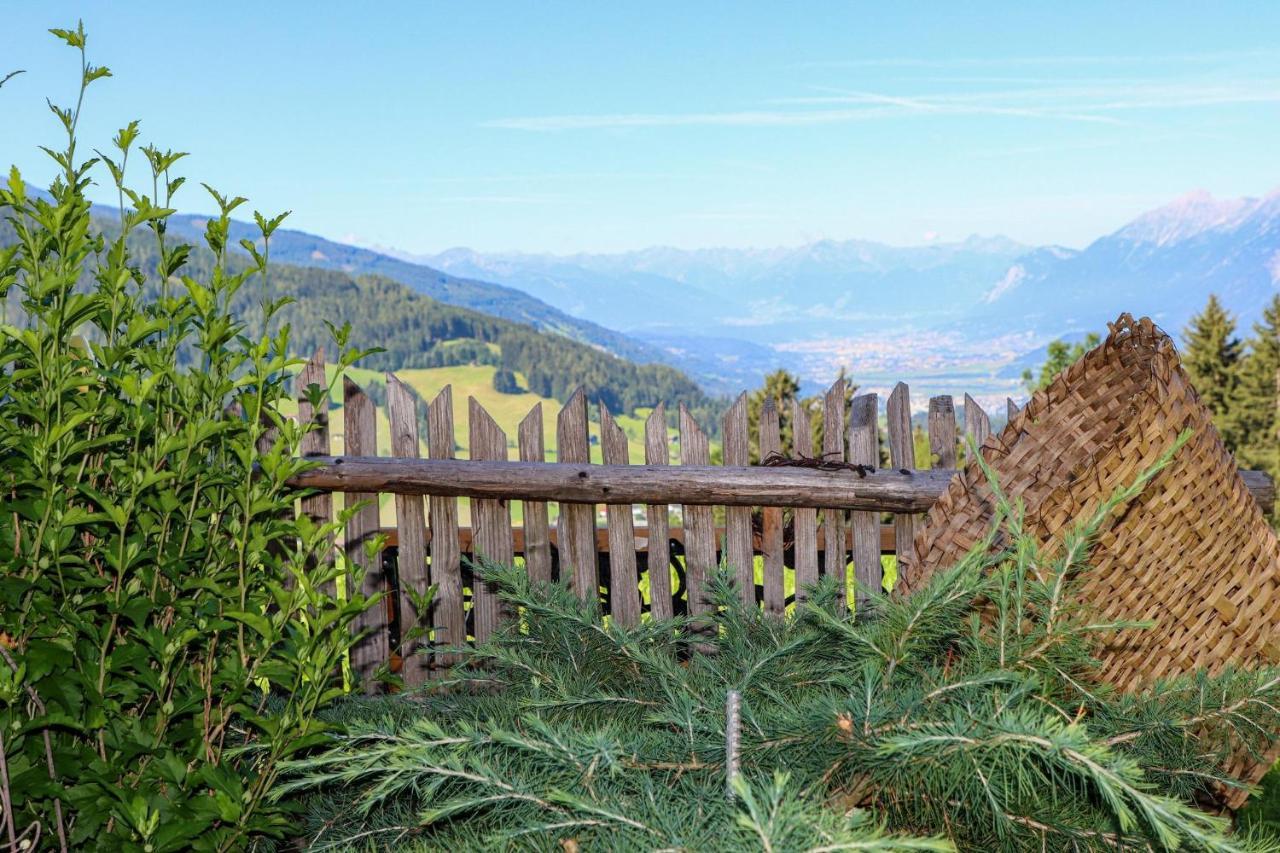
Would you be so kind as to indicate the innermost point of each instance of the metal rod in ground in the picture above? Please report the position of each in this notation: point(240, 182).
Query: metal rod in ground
point(732, 737)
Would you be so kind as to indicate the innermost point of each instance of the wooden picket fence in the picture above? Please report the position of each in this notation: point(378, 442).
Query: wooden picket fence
point(835, 518)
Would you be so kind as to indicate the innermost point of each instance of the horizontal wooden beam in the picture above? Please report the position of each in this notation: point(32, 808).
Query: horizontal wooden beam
point(883, 490)
point(698, 485)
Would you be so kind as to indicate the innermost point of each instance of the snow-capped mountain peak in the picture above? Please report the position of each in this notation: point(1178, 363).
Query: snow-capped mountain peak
point(1187, 216)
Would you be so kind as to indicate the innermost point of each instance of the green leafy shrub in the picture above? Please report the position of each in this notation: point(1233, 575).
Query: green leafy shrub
point(929, 718)
point(156, 589)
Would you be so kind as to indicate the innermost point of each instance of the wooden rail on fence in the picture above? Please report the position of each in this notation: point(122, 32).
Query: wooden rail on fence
point(833, 526)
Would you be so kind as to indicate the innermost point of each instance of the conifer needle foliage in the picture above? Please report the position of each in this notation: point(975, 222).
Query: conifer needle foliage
point(155, 587)
point(966, 714)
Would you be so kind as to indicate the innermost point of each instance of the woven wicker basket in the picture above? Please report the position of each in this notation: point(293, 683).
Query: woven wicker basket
point(1192, 553)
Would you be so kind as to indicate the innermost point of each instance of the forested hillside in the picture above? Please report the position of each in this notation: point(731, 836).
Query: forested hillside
point(417, 331)
point(508, 303)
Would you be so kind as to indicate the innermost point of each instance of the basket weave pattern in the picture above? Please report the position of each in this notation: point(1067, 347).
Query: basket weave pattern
point(1192, 553)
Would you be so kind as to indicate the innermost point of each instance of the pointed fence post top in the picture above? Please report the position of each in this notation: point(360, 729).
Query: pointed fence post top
point(529, 435)
point(444, 396)
point(864, 409)
point(735, 433)
point(801, 436)
point(573, 433)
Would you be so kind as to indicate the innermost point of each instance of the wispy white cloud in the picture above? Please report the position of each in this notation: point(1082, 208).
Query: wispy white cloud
point(557, 177)
point(1055, 101)
point(502, 199)
point(992, 104)
point(746, 118)
point(878, 107)
point(1092, 102)
point(731, 216)
point(1047, 60)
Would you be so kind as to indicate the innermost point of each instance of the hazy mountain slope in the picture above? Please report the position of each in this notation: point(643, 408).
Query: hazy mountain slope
point(1164, 264)
point(300, 248)
point(774, 294)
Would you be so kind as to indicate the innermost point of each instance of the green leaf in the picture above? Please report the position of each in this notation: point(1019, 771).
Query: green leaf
point(259, 623)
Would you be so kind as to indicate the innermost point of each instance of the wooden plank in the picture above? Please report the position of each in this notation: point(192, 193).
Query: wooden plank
point(624, 580)
point(537, 533)
point(699, 524)
point(771, 543)
point(834, 524)
point(804, 519)
point(491, 520)
point(977, 425)
point(315, 441)
point(886, 490)
point(902, 455)
point(449, 616)
point(942, 431)
point(657, 452)
point(577, 521)
point(360, 438)
point(738, 550)
point(864, 449)
point(1010, 408)
point(411, 539)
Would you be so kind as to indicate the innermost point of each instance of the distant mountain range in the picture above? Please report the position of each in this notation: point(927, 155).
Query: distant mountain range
point(950, 316)
point(773, 292)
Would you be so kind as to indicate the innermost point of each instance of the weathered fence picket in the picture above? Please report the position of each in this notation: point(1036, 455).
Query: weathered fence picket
point(804, 520)
point(624, 592)
point(577, 522)
point(738, 549)
point(411, 530)
point(360, 438)
point(864, 449)
point(977, 425)
point(490, 521)
point(942, 430)
point(771, 535)
point(537, 529)
point(902, 455)
point(834, 514)
point(450, 621)
point(657, 452)
point(699, 523)
point(835, 555)
point(315, 441)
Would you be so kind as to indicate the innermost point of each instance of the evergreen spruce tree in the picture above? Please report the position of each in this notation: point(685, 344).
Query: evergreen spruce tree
point(1254, 414)
point(505, 382)
point(783, 388)
point(1212, 355)
point(1059, 357)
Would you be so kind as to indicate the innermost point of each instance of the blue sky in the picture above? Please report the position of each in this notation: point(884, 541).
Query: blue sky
point(589, 127)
